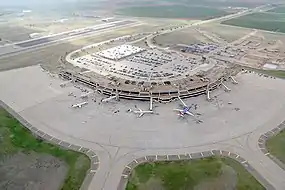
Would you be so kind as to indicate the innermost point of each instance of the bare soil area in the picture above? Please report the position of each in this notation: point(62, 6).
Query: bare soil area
point(32, 171)
point(186, 36)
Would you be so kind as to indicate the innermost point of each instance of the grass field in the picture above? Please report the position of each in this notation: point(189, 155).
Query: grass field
point(172, 11)
point(277, 10)
point(279, 74)
point(275, 146)
point(14, 139)
point(227, 32)
point(269, 21)
point(274, 73)
point(203, 174)
point(185, 36)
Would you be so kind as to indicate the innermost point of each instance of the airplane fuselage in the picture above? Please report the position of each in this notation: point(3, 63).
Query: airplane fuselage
point(143, 111)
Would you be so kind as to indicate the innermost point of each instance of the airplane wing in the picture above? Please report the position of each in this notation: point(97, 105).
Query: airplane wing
point(178, 110)
point(141, 114)
point(182, 102)
point(139, 109)
point(189, 113)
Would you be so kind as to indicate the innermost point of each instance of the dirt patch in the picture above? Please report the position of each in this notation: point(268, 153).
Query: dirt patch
point(185, 36)
point(229, 33)
point(32, 171)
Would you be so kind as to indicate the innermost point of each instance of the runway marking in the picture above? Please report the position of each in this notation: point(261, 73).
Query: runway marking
point(80, 148)
point(128, 167)
point(237, 156)
point(272, 132)
point(145, 158)
point(261, 143)
point(264, 135)
point(167, 157)
point(43, 135)
point(243, 162)
point(190, 156)
point(95, 163)
point(178, 156)
point(69, 145)
point(94, 156)
point(229, 153)
point(59, 142)
point(88, 150)
point(51, 138)
point(261, 148)
point(92, 171)
point(155, 157)
point(202, 154)
point(212, 152)
point(266, 153)
point(221, 152)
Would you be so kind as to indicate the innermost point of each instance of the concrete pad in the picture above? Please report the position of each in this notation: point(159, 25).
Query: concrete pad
point(47, 106)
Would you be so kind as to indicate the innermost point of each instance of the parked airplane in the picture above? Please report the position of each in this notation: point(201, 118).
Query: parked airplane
point(140, 112)
point(79, 105)
point(86, 95)
point(186, 109)
point(116, 96)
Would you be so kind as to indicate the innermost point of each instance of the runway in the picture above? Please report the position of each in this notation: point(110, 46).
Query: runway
point(71, 34)
point(17, 47)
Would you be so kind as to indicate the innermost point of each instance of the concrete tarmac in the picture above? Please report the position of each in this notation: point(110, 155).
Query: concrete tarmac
point(233, 121)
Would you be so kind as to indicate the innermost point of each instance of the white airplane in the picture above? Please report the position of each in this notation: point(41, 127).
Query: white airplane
point(79, 105)
point(65, 83)
point(106, 100)
point(185, 110)
point(86, 95)
point(140, 112)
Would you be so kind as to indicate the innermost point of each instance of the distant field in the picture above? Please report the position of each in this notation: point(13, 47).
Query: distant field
point(205, 3)
point(270, 21)
point(277, 10)
point(185, 36)
point(172, 11)
point(276, 144)
point(227, 32)
point(201, 174)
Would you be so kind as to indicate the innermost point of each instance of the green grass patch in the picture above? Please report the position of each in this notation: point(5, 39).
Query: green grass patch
point(172, 11)
point(185, 175)
point(277, 10)
point(245, 181)
point(273, 73)
point(269, 21)
point(277, 73)
point(276, 146)
point(15, 138)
